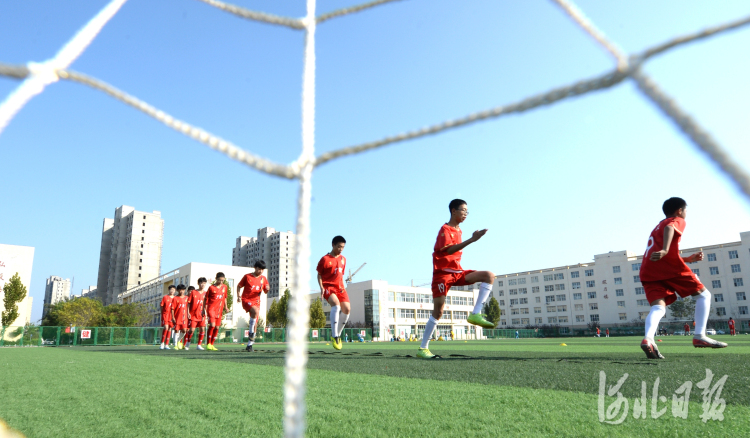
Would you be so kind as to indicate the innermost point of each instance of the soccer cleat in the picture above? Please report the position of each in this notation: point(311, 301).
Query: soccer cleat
point(424, 353)
point(706, 342)
point(213, 348)
point(179, 346)
point(186, 348)
point(166, 347)
point(650, 349)
point(200, 347)
point(249, 349)
point(478, 319)
point(337, 344)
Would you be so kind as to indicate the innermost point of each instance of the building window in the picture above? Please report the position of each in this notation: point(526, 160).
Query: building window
point(618, 280)
point(537, 310)
point(524, 311)
point(642, 302)
point(589, 272)
point(594, 317)
point(559, 276)
point(534, 289)
point(741, 296)
point(579, 307)
point(574, 274)
point(696, 271)
point(738, 282)
point(139, 275)
point(721, 311)
point(548, 277)
point(523, 301)
point(522, 290)
point(461, 315)
point(743, 310)
point(576, 285)
point(512, 291)
point(391, 313)
point(515, 312)
point(537, 299)
point(590, 283)
point(406, 313)
point(500, 282)
point(423, 314)
point(712, 257)
point(391, 296)
point(733, 255)
point(549, 288)
point(561, 297)
point(623, 316)
point(636, 266)
point(404, 297)
point(713, 270)
point(593, 306)
point(592, 295)
point(640, 291)
point(140, 268)
point(552, 320)
point(718, 297)
point(562, 308)
point(621, 304)
point(535, 279)
point(522, 281)
point(620, 292)
point(538, 320)
point(577, 296)
point(512, 282)
point(716, 284)
point(637, 278)
point(513, 301)
point(615, 269)
point(502, 302)
point(560, 286)
point(736, 268)
point(580, 318)
point(550, 298)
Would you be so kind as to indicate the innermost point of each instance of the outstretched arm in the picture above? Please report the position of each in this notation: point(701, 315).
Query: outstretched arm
point(668, 235)
point(459, 246)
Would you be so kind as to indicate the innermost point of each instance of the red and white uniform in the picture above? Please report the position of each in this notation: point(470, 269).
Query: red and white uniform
point(166, 310)
point(665, 278)
point(179, 306)
point(216, 300)
point(446, 268)
point(253, 286)
point(331, 270)
point(731, 326)
point(195, 309)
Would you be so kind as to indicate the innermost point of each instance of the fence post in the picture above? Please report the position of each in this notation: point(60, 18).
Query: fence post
point(57, 338)
point(75, 337)
point(141, 341)
point(96, 335)
point(111, 335)
point(127, 334)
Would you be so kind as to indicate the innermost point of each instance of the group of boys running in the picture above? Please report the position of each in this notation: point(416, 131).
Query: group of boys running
point(664, 275)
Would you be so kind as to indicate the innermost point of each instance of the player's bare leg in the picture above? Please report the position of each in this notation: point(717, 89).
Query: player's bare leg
point(702, 309)
point(485, 279)
point(437, 313)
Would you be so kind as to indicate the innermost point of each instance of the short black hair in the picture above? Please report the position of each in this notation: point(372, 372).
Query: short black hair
point(181, 287)
point(220, 274)
point(673, 204)
point(455, 204)
point(171, 286)
point(338, 239)
point(202, 280)
point(260, 264)
point(191, 288)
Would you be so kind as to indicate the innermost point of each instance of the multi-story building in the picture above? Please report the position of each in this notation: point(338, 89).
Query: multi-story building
point(89, 293)
point(609, 291)
point(389, 309)
point(150, 292)
point(56, 290)
point(130, 251)
point(19, 260)
point(276, 248)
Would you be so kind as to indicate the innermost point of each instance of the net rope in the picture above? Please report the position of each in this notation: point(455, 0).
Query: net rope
point(36, 76)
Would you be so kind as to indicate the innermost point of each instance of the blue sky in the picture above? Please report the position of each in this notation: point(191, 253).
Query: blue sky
point(554, 186)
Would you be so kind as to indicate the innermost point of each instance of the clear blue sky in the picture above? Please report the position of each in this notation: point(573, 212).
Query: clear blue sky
point(554, 186)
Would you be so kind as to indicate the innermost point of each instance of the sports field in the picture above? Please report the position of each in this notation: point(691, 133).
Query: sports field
point(525, 387)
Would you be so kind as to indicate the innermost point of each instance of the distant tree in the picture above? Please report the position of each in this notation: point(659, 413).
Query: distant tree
point(684, 308)
point(228, 308)
point(492, 310)
point(260, 323)
point(125, 315)
point(15, 292)
point(272, 314)
point(78, 312)
point(317, 316)
point(281, 314)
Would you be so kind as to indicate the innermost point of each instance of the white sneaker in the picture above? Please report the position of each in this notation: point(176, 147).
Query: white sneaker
point(162, 347)
point(186, 348)
point(166, 347)
point(201, 348)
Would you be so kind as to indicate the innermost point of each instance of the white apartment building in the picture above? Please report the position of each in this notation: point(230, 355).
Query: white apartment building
point(89, 293)
point(389, 309)
point(150, 292)
point(19, 260)
point(276, 248)
point(609, 291)
point(56, 290)
point(130, 251)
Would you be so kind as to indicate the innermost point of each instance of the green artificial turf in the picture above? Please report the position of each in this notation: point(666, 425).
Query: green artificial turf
point(525, 387)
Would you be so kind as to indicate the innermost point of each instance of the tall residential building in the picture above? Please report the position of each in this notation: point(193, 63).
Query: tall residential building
point(56, 290)
point(130, 251)
point(609, 290)
point(276, 248)
point(17, 260)
point(89, 293)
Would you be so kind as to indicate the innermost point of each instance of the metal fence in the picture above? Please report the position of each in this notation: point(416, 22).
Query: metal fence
point(21, 336)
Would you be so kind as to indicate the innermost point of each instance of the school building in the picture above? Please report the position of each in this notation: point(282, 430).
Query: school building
point(151, 292)
point(609, 290)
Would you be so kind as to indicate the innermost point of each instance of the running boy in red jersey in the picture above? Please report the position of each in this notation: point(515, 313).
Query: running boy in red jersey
point(196, 316)
point(179, 316)
point(332, 288)
point(166, 317)
point(214, 304)
point(253, 284)
point(731, 327)
point(447, 272)
point(665, 275)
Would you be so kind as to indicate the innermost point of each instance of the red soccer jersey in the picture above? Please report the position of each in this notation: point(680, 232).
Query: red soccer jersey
point(441, 260)
point(253, 286)
point(731, 324)
point(671, 265)
point(166, 306)
point(195, 304)
point(331, 270)
point(179, 305)
point(216, 297)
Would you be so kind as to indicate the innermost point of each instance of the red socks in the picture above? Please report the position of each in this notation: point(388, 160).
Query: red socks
point(164, 336)
point(200, 336)
point(212, 332)
point(189, 336)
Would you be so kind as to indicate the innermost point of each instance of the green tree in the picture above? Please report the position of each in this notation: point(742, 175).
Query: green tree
point(15, 292)
point(317, 316)
point(684, 308)
point(125, 315)
point(492, 310)
point(282, 312)
point(228, 308)
point(80, 312)
point(272, 313)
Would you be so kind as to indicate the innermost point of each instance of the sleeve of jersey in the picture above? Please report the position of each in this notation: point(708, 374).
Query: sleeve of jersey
point(678, 224)
point(241, 284)
point(266, 286)
point(442, 240)
point(320, 266)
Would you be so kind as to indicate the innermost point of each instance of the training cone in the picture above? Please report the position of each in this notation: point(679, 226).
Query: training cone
point(658, 340)
point(563, 345)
